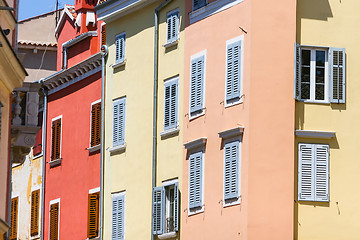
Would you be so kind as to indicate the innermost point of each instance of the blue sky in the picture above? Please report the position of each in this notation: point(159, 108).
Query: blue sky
point(31, 8)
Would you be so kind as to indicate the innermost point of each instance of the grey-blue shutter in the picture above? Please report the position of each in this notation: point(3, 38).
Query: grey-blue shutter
point(337, 75)
point(171, 105)
point(119, 121)
point(120, 48)
point(118, 214)
point(158, 210)
point(197, 84)
point(233, 68)
point(231, 170)
point(321, 172)
point(195, 180)
point(297, 71)
point(176, 207)
point(198, 4)
point(306, 172)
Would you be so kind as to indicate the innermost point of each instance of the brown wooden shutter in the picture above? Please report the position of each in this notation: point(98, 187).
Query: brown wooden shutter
point(13, 220)
point(54, 221)
point(37, 149)
point(95, 124)
point(93, 215)
point(34, 226)
point(55, 139)
point(103, 35)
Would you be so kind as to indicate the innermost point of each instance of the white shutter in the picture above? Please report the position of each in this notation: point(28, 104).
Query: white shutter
point(322, 173)
point(169, 28)
point(119, 121)
point(158, 210)
point(231, 170)
point(297, 72)
point(120, 48)
point(118, 220)
point(306, 172)
point(195, 180)
point(197, 84)
point(337, 75)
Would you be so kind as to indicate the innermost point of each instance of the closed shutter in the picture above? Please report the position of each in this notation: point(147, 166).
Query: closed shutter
point(95, 124)
point(337, 75)
point(195, 180)
point(37, 149)
point(176, 207)
point(93, 215)
point(231, 170)
point(120, 48)
point(54, 221)
point(55, 139)
point(233, 68)
point(34, 224)
point(158, 210)
point(306, 172)
point(119, 122)
point(171, 105)
point(297, 72)
point(13, 220)
point(103, 35)
point(197, 84)
point(118, 218)
point(198, 4)
point(322, 172)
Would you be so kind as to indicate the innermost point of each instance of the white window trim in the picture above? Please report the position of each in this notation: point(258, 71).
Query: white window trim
point(174, 42)
point(52, 120)
point(119, 63)
point(240, 100)
point(94, 190)
point(35, 188)
point(51, 203)
point(312, 75)
point(93, 148)
point(202, 112)
point(193, 211)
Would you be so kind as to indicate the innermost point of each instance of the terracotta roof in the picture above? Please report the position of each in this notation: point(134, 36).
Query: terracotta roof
point(40, 44)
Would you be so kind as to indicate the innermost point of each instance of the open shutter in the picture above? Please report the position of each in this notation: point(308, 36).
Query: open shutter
point(93, 215)
point(321, 173)
point(13, 220)
point(118, 217)
point(233, 68)
point(231, 168)
point(95, 124)
point(119, 122)
point(337, 75)
point(169, 28)
point(158, 209)
point(55, 139)
point(34, 224)
point(54, 221)
point(195, 180)
point(171, 105)
point(306, 172)
point(297, 71)
point(197, 84)
point(175, 26)
point(176, 207)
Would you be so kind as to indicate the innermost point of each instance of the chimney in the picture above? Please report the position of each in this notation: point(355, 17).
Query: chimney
point(86, 15)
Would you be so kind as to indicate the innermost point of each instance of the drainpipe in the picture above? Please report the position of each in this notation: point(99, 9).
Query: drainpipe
point(155, 107)
point(10, 158)
point(44, 126)
point(104, 51)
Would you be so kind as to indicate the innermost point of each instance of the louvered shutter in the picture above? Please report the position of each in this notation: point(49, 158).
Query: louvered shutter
point(198, 4)
point(169, 28)
point(297, 71)
point(103, 35)
point(337, 75)
point(321, 172)
point(120, 48)
point(54, 221)
point(171, 105)
point(195, 180)
point(34, 223)
point(93, 215)
point(176, 207)
point(306, 172)
point(197, 84)
point(172, 26)
point(55, 139)
point(158, 210)
point(13, 220)
point(119, 122)
point(95, 124)
point(231, 170)
point(118, 218)
point(233, 68)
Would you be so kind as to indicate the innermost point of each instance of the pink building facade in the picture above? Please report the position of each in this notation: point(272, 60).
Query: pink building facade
point(238, 120)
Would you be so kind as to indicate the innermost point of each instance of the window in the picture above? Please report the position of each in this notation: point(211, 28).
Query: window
point(34, 224)
point(313, 179)
point(166, 208)
point(196, 180)
point(120, 48)
point(172, 26)
point(171, 103)
point(119, 121)
point(233, 70)
point(14, 217)
point(197, 83)
point(54, 221)
point(93, 215)
point(118, 216)
point(55, 139)
point(320, 74)
point(103, 34)
point(231, 170)
point(95, 124)
point(37, 148)
point(198, 4)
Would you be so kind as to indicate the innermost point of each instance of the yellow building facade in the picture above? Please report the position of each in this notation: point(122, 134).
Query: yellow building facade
point(327, 112)
point(136, 159)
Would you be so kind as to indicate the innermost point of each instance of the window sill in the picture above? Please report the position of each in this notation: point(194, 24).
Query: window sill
point(94, 148)
point(169, 132)
point(55, 163)
point(167, 235)
point(171, 44)
point(37, 156)
point(117, 149)
point(196, 114)
point(197, 210)
point(313, 101)
point(35, 237)
point(233, 102)
point(232, 202)
point(94, 238)
point(119, 64)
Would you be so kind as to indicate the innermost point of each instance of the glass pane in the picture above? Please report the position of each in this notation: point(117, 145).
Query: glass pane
point(305, 90)
point(305, 57)
point(319, 92)
point(305, 74)
point(320, 75)
point(320, 58)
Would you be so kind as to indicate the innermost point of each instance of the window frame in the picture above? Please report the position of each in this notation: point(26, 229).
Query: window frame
point(91, 120)
point(195, 210)
point(175, 38)
point(60, 141)
point(118, 101)
point(52, 202)
point(121, 58)
point(13, 197)
point(39, 212)
point(167, 83)
point(118, 195)
point(95, 191)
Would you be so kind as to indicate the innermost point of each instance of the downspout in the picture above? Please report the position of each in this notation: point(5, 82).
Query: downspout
point(155, 107)
point(104, 51)
point(44, 126)
point(10, 158)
